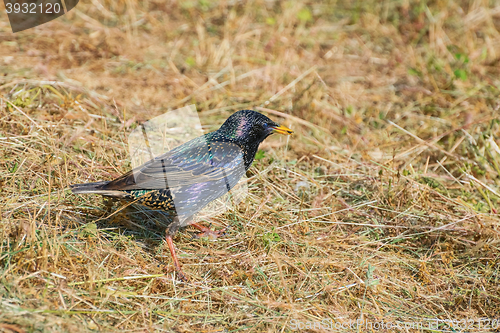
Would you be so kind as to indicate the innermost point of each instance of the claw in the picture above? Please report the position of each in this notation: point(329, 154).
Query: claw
point(207, 232)
point(179, 273)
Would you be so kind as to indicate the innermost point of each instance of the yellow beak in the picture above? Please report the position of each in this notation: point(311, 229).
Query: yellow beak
point(282, 130)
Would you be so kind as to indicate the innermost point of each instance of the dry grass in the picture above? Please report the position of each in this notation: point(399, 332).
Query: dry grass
point(383, 205)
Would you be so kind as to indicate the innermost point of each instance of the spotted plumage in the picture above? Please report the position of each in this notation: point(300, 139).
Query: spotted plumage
point(155, 199)
point(190, 176)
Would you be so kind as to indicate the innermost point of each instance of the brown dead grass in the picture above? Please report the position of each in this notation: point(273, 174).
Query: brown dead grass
point(383, 205)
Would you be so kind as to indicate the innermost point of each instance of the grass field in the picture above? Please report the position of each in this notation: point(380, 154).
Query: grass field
point(382, 207)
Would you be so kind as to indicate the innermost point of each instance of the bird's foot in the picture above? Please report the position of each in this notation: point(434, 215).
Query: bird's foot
point(180, 274)
point(207, 232)
point(213, 234)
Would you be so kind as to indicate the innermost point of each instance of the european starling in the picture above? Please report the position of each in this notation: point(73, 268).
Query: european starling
point(190, 176)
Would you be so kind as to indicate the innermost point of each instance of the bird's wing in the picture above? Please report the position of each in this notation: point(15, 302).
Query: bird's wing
point(197, 161)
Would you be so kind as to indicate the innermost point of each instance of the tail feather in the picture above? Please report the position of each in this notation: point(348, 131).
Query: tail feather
point(97, 188)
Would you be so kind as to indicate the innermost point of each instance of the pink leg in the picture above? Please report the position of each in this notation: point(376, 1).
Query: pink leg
point(177, 266)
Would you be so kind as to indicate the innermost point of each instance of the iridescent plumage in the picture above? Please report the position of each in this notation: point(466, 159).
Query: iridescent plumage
point(190, 176)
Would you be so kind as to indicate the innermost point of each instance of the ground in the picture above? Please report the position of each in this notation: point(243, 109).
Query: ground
point(382, 207)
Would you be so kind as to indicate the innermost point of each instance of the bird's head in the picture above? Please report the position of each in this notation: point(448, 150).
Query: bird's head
point(251, 127)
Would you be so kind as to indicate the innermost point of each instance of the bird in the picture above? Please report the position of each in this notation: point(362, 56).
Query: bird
point(185, 179)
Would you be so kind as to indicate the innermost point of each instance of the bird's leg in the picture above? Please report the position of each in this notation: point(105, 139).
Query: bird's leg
point(171, 231)
point(207, 232)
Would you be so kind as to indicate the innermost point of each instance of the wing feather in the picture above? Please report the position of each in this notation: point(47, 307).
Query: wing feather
point(197, 161)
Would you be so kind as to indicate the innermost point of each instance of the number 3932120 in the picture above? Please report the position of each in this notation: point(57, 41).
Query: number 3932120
point(33, 8)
